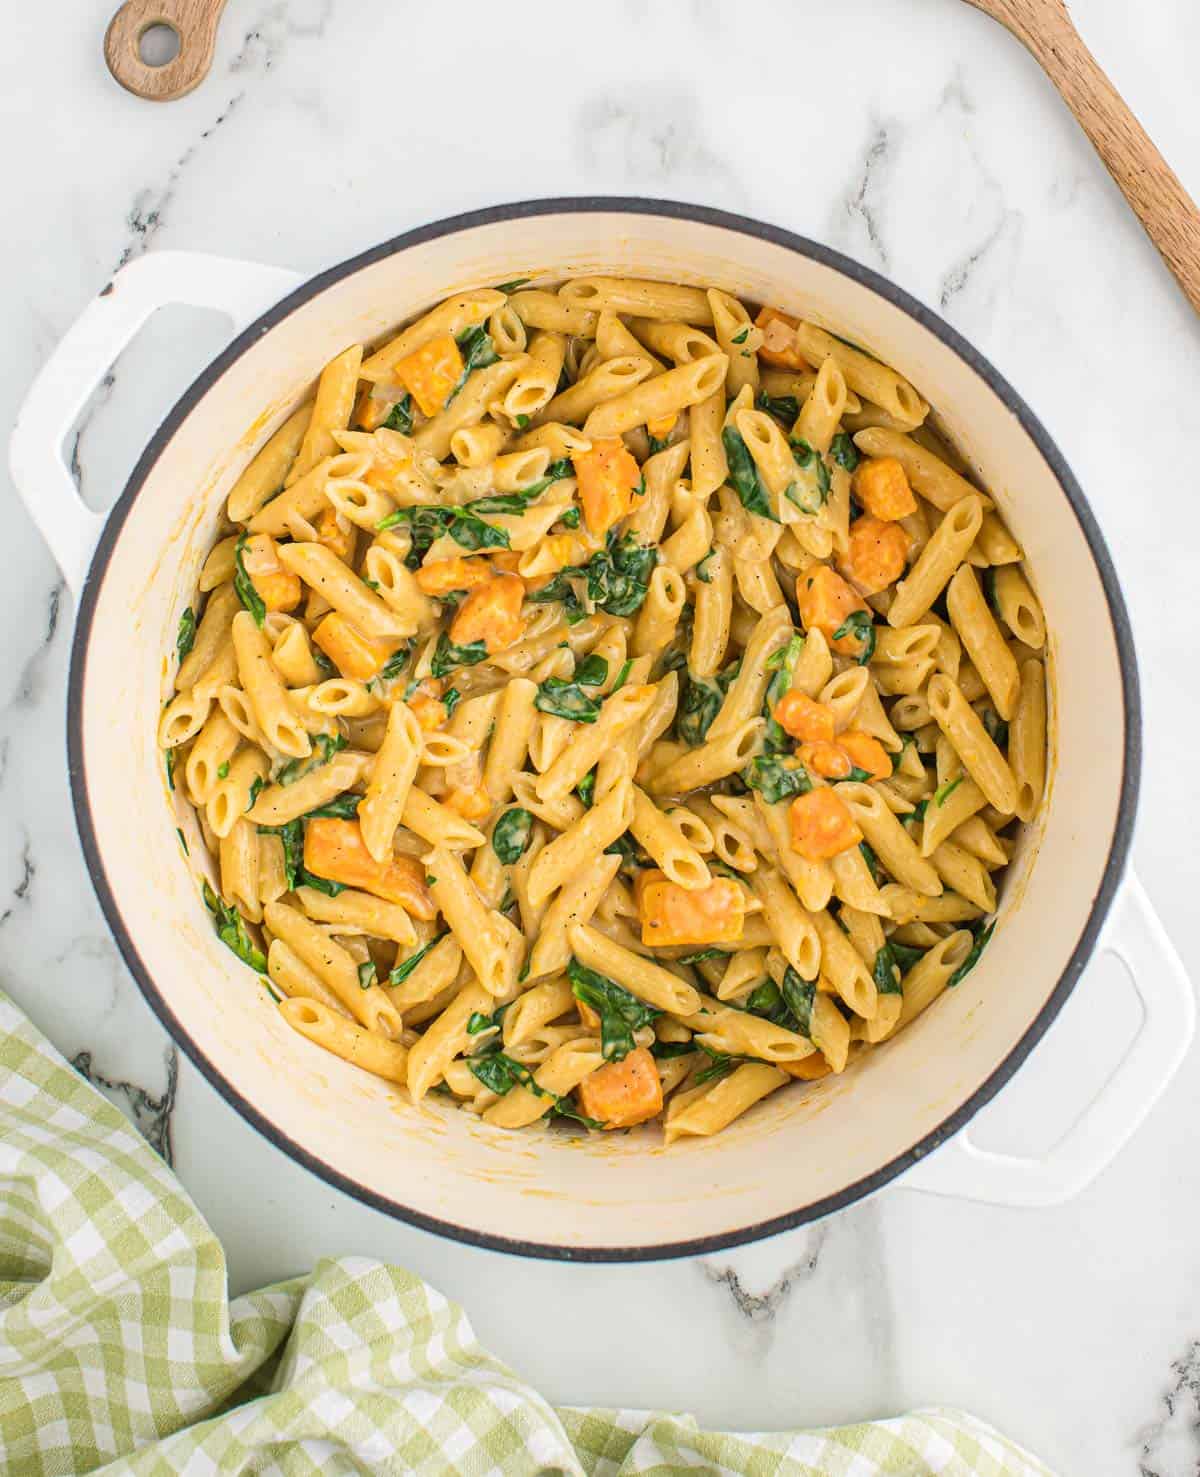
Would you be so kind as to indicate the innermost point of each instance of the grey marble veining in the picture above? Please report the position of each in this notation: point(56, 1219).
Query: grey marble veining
point(915, 136)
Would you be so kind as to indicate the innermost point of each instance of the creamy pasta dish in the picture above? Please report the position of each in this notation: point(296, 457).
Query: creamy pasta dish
point(608, 703)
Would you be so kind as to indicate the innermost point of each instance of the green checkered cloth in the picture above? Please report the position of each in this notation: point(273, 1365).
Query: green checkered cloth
point(121, 1350)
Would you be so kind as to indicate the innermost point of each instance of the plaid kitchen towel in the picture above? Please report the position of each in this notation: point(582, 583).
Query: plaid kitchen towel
point(121, 1351)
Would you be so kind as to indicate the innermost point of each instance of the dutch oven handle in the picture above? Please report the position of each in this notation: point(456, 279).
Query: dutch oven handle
point(1136, 936)
point(90, 347)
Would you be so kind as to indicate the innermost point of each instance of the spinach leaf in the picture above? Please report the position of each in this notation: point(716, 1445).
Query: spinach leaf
point(872, 862)
point(223, 770)
point(781, 664)
point(858, 624)
point(510, 835)
point(183, 842)
point(169, 766)
point(570, 518)
point(592, 671)
point(450, 700)
point(799, 995)
point(477, 1022)
point(477, 350)
point(855, 777)
point(244, 585)
point(366, 975)
point(325, 746)
point(701, 575)
point(905, 955)
point(447, 656)
point(701, 955)
point(656, 444)
point(406, 966)
point(813, 496)
point(784, 408)
point(622, 676)
point(699, 704)
point(429, 521)
point(766, 1001)
point(342, 807)
point(740, 338)
point(982, 935)
point(619, 575)
point(517, 502)
point(398, 660)
point(564, 699)
point(943, 792)
point(620, 1012)
point(886, 971)
point(319, 884)
point(664, 1051)
point(186, 636)
point(292, 836)
point(400, 416)
point(500, 1074)
point(997, 729)
point(586, 788)
point(514, 284)
point(989, 590)
point(744, 475)
point(719, 1067)
point(843, 450)
point(774, 780)
point(231, 930)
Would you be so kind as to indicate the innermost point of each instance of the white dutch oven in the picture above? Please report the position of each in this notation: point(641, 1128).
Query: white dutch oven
point(799, 1155)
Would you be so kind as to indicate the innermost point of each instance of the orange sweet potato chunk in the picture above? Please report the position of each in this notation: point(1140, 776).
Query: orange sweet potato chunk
point(822, 826)
point(866, 753)
point(278, 588)
point(825, 602)
point(334, 849)
point(491, 613)
point(440, 576)
point(877, 554)
point(431, 372)
point(671, 914)
point(352, 653)
point(803, 718)
point(779, 340)
point(609, 482)
point(881, 486)
point(826, 759)
point(623, 1093)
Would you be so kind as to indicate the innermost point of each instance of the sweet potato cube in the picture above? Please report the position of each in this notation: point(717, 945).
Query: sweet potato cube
point(491, 613)
point(671, 914)
point(866, 753)
point(881, 486)
point(803, 718)
point(352, 653)
point(825, 602)
point(779, 340)
point(334, 849)
point(877, 554)
point(431, 372)
point(609, 480)
point(278, 588)
point(623, 1093)
point(822, 826)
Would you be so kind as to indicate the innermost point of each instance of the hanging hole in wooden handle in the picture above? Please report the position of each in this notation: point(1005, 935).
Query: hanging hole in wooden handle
point(161, 49)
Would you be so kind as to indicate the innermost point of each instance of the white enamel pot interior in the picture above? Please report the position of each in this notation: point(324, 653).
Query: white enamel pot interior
point(800, 1154)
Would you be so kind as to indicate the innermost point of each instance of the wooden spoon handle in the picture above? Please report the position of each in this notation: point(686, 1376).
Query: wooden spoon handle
point(193, 21)
point(1144, 177)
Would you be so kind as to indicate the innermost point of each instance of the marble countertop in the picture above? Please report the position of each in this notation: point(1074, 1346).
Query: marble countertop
point(914, 135)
